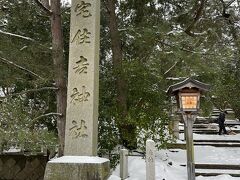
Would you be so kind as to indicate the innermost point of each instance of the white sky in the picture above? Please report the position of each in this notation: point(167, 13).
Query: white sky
point(66, 1)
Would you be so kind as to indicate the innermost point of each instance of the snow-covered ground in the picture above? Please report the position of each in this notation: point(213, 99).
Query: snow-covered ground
point(168, 161)
point(213, 137)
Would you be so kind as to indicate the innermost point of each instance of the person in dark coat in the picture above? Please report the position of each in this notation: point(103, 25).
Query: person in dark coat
point(221, 120)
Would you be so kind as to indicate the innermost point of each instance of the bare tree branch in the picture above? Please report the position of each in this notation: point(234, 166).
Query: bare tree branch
point(229, 3)
point(19, 67)
point(176, 78)
point(196, 18)
point(30, 90)
point(24, 47)
point(46, 115)
point(186, 50)
point(23, 37)
point(41, 5)
point(16, 35)
point(171, 67)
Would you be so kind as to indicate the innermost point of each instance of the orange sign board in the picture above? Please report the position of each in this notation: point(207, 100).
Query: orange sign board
point(189, 102)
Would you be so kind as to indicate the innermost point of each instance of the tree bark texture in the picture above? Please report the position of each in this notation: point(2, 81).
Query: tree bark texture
point(117, 58)
point(235, 35)
point(58, 60)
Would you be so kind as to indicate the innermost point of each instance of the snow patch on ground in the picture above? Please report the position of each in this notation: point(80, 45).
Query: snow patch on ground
point(79, 159)
point(177, 157)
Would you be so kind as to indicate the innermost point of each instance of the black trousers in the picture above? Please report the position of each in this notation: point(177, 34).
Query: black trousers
point(222, 128)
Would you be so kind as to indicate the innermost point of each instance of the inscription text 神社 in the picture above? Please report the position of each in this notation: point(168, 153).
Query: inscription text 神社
point(77, 96)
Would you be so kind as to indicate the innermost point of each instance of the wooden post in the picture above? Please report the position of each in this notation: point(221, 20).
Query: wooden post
point(188, 121)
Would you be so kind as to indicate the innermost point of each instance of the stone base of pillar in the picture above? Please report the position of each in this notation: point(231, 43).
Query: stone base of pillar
point(77, 168)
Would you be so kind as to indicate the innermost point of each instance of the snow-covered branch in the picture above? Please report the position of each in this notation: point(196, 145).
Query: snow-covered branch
point(19, 67)
point(23, 37)
point(24, 47)
point(176, 78)
point(196, 18)
point(171, 67)
point(30, 90)
point(17, 35)
point(199, 33)
point(184, 49)
point(46, 115)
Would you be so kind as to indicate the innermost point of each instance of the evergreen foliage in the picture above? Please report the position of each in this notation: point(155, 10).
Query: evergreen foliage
point(18, 128)
point(160, 41)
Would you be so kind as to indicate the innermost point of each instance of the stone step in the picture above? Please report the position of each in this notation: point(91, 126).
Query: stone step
point(216, 173)
point(217, 144)
point(216, 166)
point(215, 113)
point(232, 122)
point(201, 126)
point(217, 169)
point(217, 140)
point(218, 110)
point(229, 110)
point(213, 119)
point(228, 122)
point(210, 131)
point(202, 131)
point(205, 130)
point(183, 145)
point(201, 121)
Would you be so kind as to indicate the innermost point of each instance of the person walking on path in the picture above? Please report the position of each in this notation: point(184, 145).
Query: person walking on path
point(221, 120)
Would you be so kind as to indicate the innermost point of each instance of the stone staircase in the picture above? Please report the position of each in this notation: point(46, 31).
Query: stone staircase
point(215, 113)
point(216, 169)
point(208, 127)
point(212, 128)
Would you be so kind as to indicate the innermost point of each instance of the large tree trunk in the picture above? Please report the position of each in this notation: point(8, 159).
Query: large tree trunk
point(127, 130)
point(234, 30)
point(235, 104)
point(58, 60)
point(117, 58)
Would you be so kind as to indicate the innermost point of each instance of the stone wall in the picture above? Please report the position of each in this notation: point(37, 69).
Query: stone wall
point(22, 167)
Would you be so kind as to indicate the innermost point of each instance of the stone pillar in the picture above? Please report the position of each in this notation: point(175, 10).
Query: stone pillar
point(123, 163)
point(150, 160)
point(83, 77)
point(81, 134)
